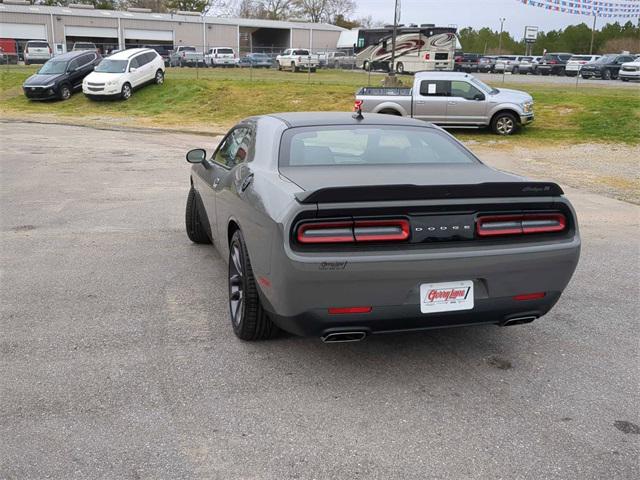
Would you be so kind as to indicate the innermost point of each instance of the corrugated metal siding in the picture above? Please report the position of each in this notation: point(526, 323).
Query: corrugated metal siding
point(324, 39)
point(300, 38)
point(222, 36)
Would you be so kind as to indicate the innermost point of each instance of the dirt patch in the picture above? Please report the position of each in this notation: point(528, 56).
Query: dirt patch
point(608, 169)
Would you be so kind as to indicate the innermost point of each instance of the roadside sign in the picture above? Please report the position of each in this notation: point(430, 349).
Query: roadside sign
point(530, 34)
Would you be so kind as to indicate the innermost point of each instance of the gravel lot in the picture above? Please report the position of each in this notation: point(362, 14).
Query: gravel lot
point(117, 359)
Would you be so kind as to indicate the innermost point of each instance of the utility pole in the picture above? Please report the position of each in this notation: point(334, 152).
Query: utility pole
point(502, 20)
point(593, 33)
point(392, 67)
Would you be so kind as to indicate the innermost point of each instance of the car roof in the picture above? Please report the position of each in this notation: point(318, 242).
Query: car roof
point(70, 55)
point(128, 53)
point(310, 119)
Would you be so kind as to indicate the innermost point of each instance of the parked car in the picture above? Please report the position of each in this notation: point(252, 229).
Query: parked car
point(186, 56)
point(221, 57)
point(576, 62)
point(467, 62)
point(337, 60)
point(486, 64)
point(60, 76)
point(36, 51)
point(256, 60)
point(296, 59)
point(85, 46)
point(340, 226)
point(528, 65)
point(553, 63)
point(8, 51)
point(120, 74)
point(163, 50)
point(630, 70)
point(452, 99)
point(507, 63)
point(606, 67)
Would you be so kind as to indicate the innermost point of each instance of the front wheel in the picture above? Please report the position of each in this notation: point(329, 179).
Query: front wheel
point(195, 229)
point(293, 67)
point(515, 70)
point(504, 124)
point(248, 318)
point(65, 92)
point(159, 77)
point(400, 68)
point(125, 93)
point(606, 75)
point(624, 79)
point(366, 66)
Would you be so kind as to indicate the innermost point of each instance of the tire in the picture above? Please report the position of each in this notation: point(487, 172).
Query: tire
point(159, 79)
point(624, 79)
point(65, 92)
point(313, 70)
point(279, 67)
point(336, 65)
point(606, 75)
point(294, 68)
point(195, 230)
point(126, 92)
point(249, 320)
point(515, 70)
point(504, 123)
point(400, 68)
point(366, 66)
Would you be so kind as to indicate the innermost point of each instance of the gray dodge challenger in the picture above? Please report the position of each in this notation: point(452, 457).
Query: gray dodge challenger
point(342, 226)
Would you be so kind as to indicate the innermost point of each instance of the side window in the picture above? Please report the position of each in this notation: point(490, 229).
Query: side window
point(135, 62)
point(236, 148)
point(73, 64)
point(86, 60)
point(464, 90)
point(435, 88)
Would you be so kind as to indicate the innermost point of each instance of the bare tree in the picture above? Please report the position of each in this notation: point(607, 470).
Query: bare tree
point(324, 10)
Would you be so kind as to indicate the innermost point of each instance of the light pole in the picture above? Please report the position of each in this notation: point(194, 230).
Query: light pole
point(502, 20)
point(392, 69)
point(593, 32)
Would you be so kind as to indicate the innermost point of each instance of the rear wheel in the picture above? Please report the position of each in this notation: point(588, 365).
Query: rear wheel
point(400, 68)
point(515, 70)
point(159, 77)
point(606, 75)
point(504, 123)
point(293, 67)
point(366, 66)
point(195, 229)
point(248, 318)
point(65, 92)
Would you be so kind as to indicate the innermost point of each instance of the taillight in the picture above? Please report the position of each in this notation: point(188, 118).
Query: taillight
point(347, 310)
point(495, 225)
point(381, 230)
point(389, 230)
point(357, 105)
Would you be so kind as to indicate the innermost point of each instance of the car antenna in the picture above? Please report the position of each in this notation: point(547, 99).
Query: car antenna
point(357, 115)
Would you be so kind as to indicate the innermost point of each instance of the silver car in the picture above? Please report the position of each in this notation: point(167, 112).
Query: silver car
point(341, 226)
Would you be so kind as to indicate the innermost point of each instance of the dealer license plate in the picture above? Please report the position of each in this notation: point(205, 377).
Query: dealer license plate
point(446, 297)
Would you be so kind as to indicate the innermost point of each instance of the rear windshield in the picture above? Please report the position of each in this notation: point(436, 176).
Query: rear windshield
point(225, 50)
point(581, 57)
point(188, 49)
point(369, 145)
point(37, 44)
point(301, 52)
point(441, 56)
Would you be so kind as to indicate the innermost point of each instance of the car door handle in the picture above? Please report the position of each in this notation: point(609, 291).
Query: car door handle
point(420, 102)
point(452, 103)
point(216, 181)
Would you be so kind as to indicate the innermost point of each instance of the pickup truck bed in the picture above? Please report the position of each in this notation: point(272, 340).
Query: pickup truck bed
point(385, 91)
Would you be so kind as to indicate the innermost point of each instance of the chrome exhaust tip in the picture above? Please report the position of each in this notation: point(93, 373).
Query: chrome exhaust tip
point(518, 321)
point(343, 337)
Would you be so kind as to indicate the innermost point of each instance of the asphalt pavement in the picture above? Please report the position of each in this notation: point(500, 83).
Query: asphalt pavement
point(117, 358)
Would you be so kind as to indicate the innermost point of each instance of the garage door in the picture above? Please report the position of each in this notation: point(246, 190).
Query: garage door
point(136, 34)
point(23, 31)
point(99, 32)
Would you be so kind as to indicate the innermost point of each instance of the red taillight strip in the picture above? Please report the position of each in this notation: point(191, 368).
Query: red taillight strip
point(396, 230)
point(326, 232)
point(529, 296)
point(494, 225)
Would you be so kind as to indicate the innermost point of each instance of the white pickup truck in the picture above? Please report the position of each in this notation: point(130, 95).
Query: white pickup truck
point(297, 59)
point(186, 56)
point(451, 99)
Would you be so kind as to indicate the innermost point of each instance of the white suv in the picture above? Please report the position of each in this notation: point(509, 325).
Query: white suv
point(221, 57)
point(122, 72)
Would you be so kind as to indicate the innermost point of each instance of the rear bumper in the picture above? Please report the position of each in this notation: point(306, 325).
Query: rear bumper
point(301, 290)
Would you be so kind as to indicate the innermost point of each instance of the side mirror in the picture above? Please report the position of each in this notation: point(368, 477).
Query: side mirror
point(478, 97)
point(197, 155)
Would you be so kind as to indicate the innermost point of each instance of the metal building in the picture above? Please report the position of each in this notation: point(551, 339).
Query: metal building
point(109, 29)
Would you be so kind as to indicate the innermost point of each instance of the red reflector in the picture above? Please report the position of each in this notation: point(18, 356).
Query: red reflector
point(381, 230)
point(529, 296)
point(357, 105)
point(343, 310)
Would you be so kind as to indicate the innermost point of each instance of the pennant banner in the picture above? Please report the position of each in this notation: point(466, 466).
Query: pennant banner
point(618, 9)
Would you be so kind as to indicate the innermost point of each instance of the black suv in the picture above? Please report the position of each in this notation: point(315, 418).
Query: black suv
point(553, 63)
point(606, 67)
point(61, 75)
point(467, 62)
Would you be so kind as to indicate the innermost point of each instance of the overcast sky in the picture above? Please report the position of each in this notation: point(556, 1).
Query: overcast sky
point(474, 13)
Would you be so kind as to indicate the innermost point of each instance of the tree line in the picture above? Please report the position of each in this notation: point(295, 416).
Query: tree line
point(611, 38)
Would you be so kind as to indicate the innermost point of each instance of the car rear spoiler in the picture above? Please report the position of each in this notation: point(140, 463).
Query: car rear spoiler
point(372, 193)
